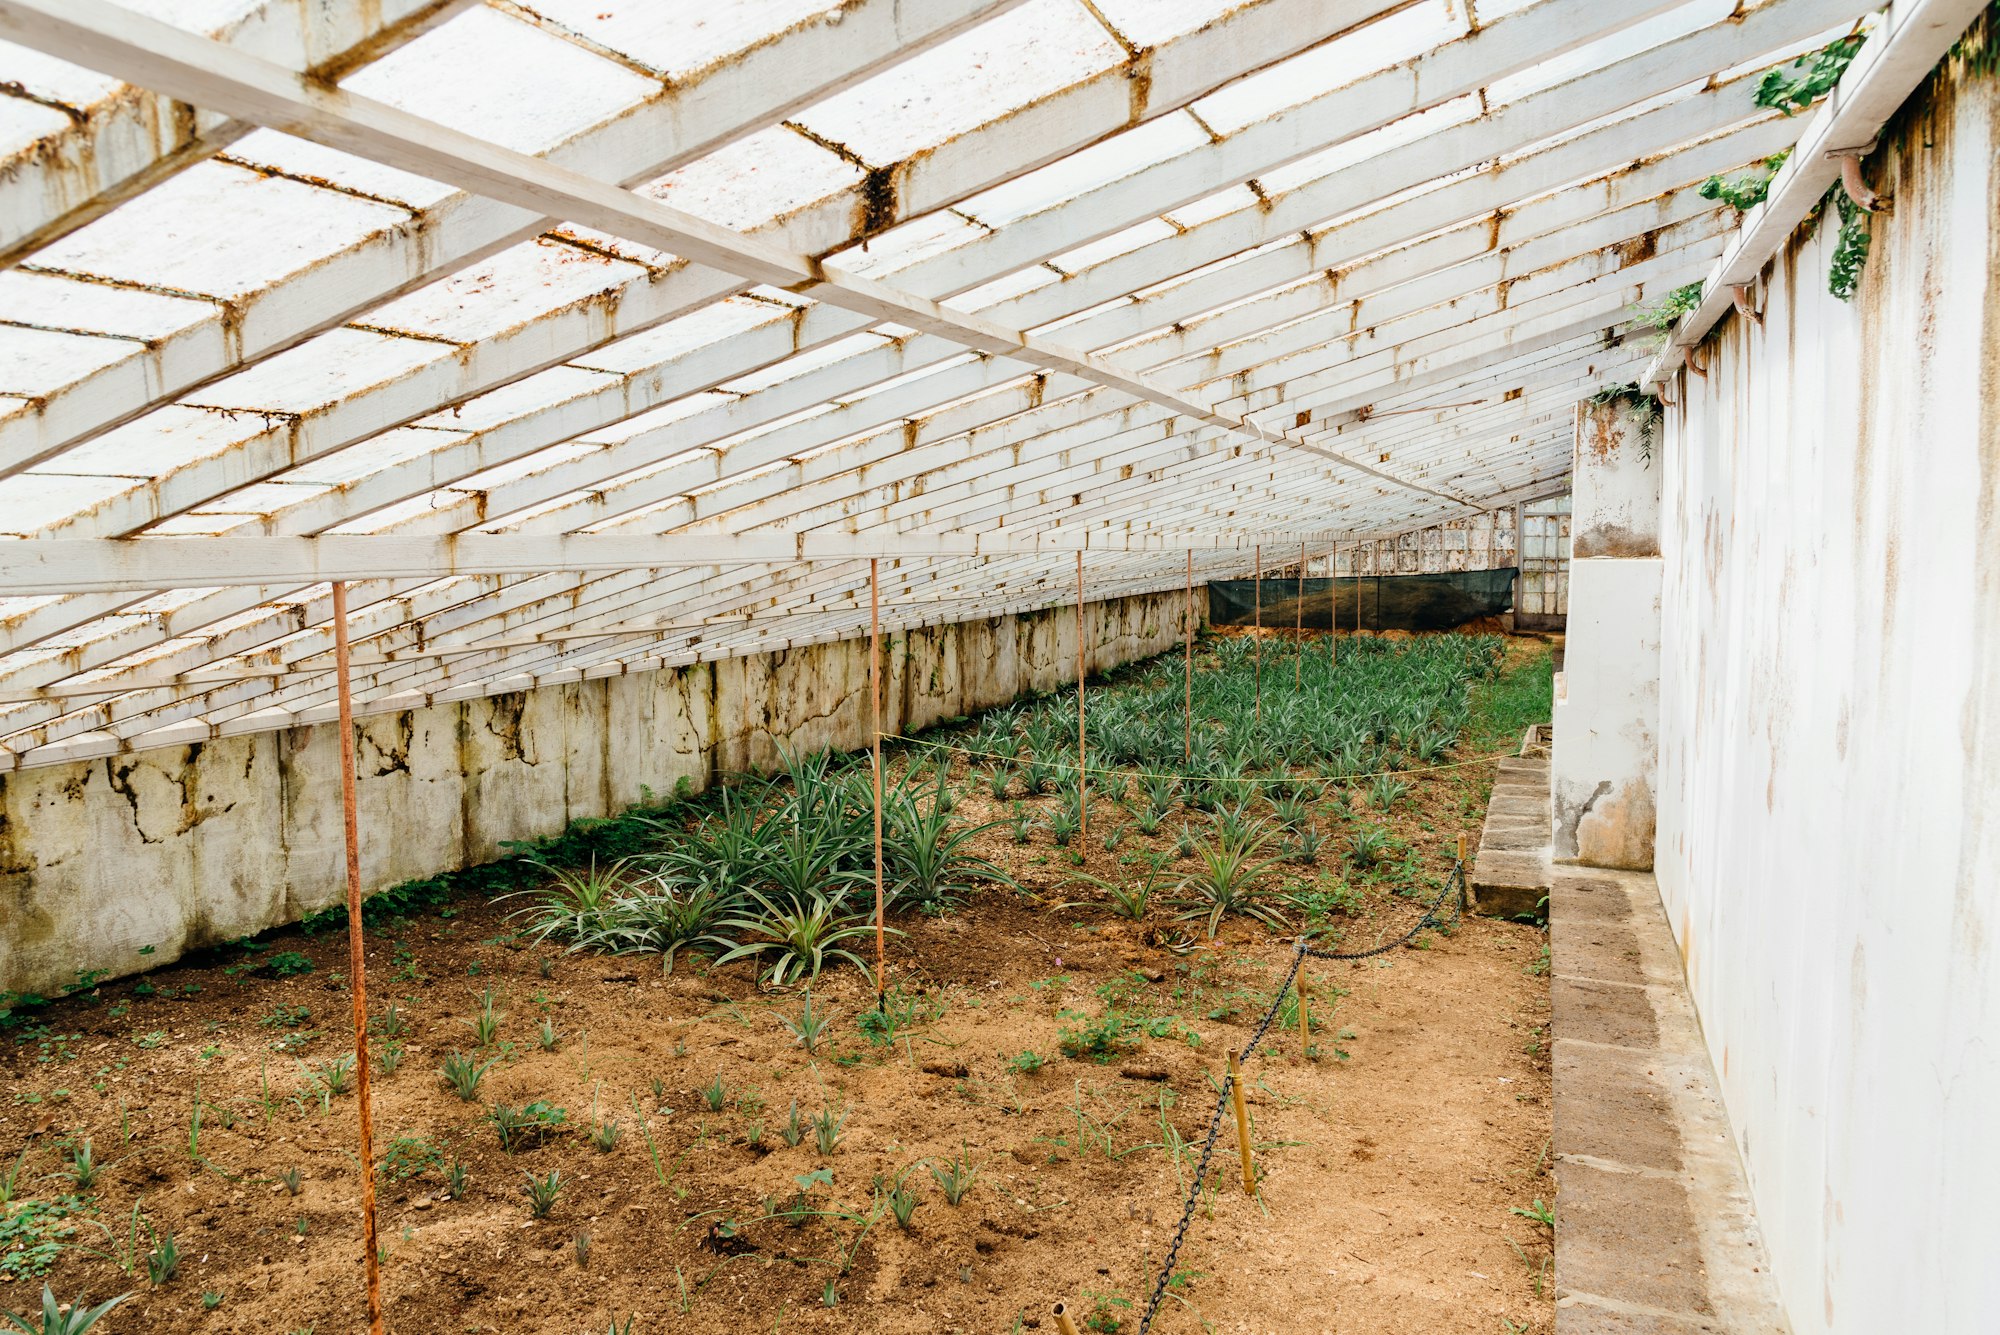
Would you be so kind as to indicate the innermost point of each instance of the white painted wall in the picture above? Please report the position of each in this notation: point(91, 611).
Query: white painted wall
point(1607, 705)
point(1829, 842)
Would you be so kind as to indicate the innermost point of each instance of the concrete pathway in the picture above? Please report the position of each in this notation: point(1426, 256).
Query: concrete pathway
point(1655, 1234)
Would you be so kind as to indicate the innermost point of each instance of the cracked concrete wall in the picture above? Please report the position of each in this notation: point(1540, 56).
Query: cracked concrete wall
point(1602, 768)
point(1829, 823)
point(191, 846)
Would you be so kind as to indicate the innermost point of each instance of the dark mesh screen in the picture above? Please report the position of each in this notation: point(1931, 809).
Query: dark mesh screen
point(1388, 602)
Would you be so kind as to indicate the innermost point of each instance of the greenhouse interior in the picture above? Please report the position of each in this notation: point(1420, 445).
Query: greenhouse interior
point(904, 666)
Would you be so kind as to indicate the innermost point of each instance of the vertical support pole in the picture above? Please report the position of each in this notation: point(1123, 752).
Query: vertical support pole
point(1064, 1326)
point(1187, 687)
point(1257, 630)
point(357, 964)
point(1299, 624)
point(875, 735)
point(1333, 607)
point(1520, 566)
point(1305, 1022)
point(1462, 906)
point(1242, 1124)
point(1082, 771)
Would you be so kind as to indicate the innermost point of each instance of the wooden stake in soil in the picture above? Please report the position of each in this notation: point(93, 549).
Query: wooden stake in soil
point(1299, 624)
point(875, 732)
point(1187, 688)
point(1305, 1024)
point(1242, 1123)
point(1082, 774)
point(1064, 1326)
point(1333, 607)
point(357, 967)
point(1462, 906)
point(1257, 629)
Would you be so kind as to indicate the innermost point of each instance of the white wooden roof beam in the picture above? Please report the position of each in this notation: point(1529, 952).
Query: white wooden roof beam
point(118, 148)
point(641, 146)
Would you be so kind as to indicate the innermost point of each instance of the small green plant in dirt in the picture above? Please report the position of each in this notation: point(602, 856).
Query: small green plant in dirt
point(794, 1129)
point(1368, 846)
point(162, 1258)
point(1542, 1214)
point(1126, 897)
point(455, 1178)
point(530, 1124)
point(82, 1165)
point(604, 1135)
point(900, 1010)
point(542, 1192)
point(1099, 1038)
point(810, 1026)
point(826, 1130)
point(547, 1037)
point(796, 936)
point(1021, 824)
point(713, 1096)
point(1227, 872)
point(292, 1180)
point(1026, 1063)
point(462, 1074)
point(334, 1077)
point(1386, 790)
point(955, 1178)
point(59, 1318)
point(409, 1156)
point(1104, 1311)
point(899, 1197)
point(485, 1022)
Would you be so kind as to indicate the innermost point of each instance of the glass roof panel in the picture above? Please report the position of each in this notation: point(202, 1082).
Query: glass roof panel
point(1001, 65)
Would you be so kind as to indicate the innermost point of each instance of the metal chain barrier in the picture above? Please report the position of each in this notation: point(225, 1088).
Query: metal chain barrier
point(1300, 953)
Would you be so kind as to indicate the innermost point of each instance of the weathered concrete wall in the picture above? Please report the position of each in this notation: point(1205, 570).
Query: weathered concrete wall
point(1607, 706)
point(1829, 844)
point(193, 845)
point(1607, 699)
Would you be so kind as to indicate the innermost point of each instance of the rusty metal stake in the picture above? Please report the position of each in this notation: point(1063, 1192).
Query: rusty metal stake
point(1187, 689)
point(1299, 624)
point(1333, 607)
point(1305, 1024)
point(1082, 773)
point(1242, 1124)
point(357, 965)
point(875, 733)
point(1257, 632)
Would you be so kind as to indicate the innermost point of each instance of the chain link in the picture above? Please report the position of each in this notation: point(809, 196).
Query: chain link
point(1285, 986)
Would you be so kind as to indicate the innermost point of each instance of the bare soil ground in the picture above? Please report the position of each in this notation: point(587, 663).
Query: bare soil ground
point(1390, 1165)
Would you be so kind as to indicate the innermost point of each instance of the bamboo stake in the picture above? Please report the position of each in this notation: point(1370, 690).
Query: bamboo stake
point(1187, 688)
point(1257, 630)
point(1242, 1124)
point(875, 732)
point(1305, 1024)
point(1333, 608)
point(357, 965)
point(1462, 873)
point(1299, 624)
point(1082, 773)
point(1064, 1326)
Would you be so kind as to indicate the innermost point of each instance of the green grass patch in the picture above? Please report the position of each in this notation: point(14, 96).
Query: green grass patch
point(1523, 693)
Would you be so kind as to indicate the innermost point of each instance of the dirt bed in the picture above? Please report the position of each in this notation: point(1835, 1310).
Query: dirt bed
point(1391, 1164)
